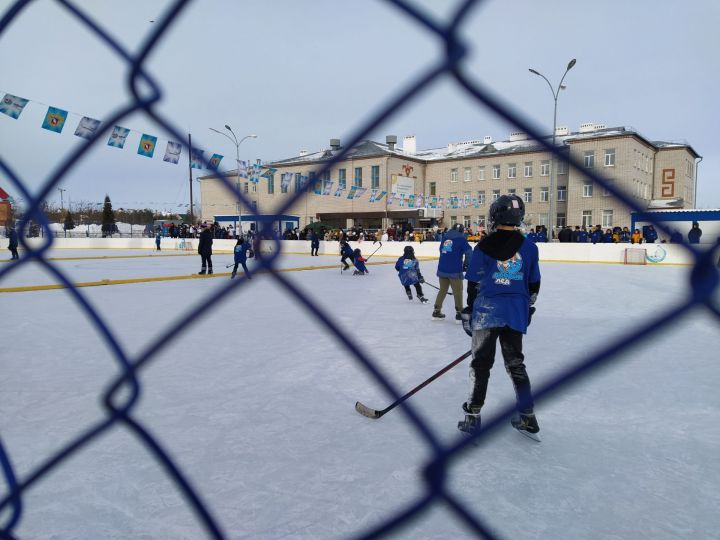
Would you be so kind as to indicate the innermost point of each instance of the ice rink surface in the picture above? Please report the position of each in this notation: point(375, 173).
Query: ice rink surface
point(255, 400)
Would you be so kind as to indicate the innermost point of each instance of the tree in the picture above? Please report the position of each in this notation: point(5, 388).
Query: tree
point(69, 223)
point(108, 218)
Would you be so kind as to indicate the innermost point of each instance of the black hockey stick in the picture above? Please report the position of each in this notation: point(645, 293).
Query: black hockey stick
point(436, 287)
point(374, 252)
point(374, 414)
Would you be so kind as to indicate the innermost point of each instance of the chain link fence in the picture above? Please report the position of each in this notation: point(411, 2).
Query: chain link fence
point(122, 396)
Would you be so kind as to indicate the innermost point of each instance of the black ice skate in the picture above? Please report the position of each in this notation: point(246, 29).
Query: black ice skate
point(202, 272)
point(458, 318)
point(471, 423)
point(527, 425)
point(210, 271)
point(409, 295)
point(437, 315)
point(423, 300)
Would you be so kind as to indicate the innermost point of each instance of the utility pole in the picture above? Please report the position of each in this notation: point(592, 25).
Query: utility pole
point(62, 204)
point(192, 220)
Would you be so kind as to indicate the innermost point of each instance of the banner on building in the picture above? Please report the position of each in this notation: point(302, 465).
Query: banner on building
point(403, 185)
point(242, 169)
point(118, 136)
point(147, 145)
point(13, 105)
point(214, 162)
point(87, 127)
point(172, 152)
point(54, 119)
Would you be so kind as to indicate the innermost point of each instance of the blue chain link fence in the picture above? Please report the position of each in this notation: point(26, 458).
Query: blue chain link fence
point(122, 396)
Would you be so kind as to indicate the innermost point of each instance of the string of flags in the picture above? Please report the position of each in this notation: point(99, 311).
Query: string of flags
point(56, 118)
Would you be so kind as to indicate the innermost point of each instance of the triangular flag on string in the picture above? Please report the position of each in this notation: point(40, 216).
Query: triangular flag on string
point(118, 136)
point(13, 105)
point(54, 119)
point(328, 187)
point(172, 152)
point(351, 193)
point(268, 173)
point(381, 195)
point(87, 127)
point(373, 194)
point(339, 191)
point(147, 145)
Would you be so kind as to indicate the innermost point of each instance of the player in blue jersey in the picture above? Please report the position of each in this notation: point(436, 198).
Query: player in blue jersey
point(454, 256)
point(241, 252)
point(503, 284)
point(408, 269)
point(346, 252)
point(359, 261)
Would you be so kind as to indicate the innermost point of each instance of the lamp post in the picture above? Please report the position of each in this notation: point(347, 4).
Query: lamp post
point(237, 144)
point(553, 173)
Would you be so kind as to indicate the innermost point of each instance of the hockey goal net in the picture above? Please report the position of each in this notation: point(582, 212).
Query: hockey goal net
point(635, 256)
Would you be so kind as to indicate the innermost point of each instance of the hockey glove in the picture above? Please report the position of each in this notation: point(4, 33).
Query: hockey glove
point(530, 314)
point(466, 316)
point(421, 279)
point(533, 298)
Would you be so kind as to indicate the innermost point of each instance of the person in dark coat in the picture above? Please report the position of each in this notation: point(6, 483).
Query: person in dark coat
point(241, 255)
point(346, 252)
point(205, 249)
point(565, 235)
point(695, 233)
point(158, 236)
point(314, 243)
point(676, 237)
point(13, 244)
point(650, 235)
point(596, 235)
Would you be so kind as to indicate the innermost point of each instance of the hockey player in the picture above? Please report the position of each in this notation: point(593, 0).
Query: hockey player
point(503, 284)
point(408, 269)
point(346, 252)
point(359, 261)
point(241, 254)
point(454, 257)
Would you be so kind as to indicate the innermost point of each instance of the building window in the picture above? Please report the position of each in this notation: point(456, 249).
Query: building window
point(375, 176)
point(607, 219)
point(606, 191)
point(298, 182)
point(466, 222)
point(247, 187)
point(587, 190)
point(342, 178)
point(545, 167)
point(527, 196)
point(271, 184)
point(562, 193)
point(433, 188)
point(589, 159)
point(560, 219)
point(467, 174)
point(496, 194)
point(543, 220)
point(586, 219)
point(358, 177)
point(453, 175)
point(496, 172)
point(481, 172)
point(562, 167)
point(544, 191)
point(528, 169)
point(512, 170)
point(511, 192)
point(453, 221)
point(311, 181)
point(481, 198)
point(610, 157)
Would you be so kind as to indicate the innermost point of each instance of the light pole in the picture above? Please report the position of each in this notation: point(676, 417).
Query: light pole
point(237, 144)
point(553, 173)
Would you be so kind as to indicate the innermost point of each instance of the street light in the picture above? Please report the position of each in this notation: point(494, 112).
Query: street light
point(553, 174)
point(237, 144)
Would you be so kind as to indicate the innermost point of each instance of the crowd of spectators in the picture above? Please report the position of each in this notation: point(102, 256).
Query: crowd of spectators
point(624, 235)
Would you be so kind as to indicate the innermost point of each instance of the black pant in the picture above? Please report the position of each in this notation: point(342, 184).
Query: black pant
point(342, 261)
point(314, 250)
point(13, 253)
point(483, 347)
point(244, 268)
point(206, 260)
point(418, 289)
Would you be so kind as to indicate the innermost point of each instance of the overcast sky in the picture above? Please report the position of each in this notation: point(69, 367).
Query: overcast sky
point(300, 72)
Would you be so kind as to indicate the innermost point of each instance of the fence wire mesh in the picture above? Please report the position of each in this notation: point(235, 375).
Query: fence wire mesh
point(122, 396)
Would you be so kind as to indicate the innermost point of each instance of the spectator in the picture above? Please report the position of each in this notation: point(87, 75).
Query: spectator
point(625, 235)
point(314, 243)
point(609, 237)
point(636, 237)
point(596, 235)
point(565, 234)
point(676, 237)
point(205, 249)
point(695, 233)
point(532, 235)
point(158, 236)
point(13, 243)
point(542, 234)
point(650, 235)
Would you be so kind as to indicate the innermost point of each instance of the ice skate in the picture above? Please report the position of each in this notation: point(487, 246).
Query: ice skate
point(423, 300)
point(471, 423)
point(210, 271)
point(202, 272)
point(232, 276)
point(527, 425)
point(438, 315)
point(409, 295)
point(458, 318)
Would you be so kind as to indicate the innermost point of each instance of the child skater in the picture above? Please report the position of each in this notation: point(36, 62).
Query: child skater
point(408, 269)
point(346, 252)
point(241, 249)
point(359, 260)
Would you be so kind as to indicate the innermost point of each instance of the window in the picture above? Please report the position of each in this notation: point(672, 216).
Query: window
point(607, 219)
point(467, 174)
point(527, 196)
point(311, 182)
point(512, 170)
point(481, 221)
point(481, 172)
point(562, 167)
point(560, 219)
point(433, 188)
point(587, 219)
point(358, 177)
point(606, 192)
point(453, 221)
point(271, 184)
point(562, 193)
point(587, 190)
point(544, 192)
point(528, 169)
point(589, 159)
point(342, 178)
point(481, 198)
point(610, 157)
point(466, 222)
point(545, 167)
point(496, 172)
point(453, 175)
point(247, 188)
point(298, 181)
point(375, 176)
point(496, 194)
point(543, 220)
point(511, 192)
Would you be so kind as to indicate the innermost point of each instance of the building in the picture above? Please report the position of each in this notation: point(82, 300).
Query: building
point(458, 183)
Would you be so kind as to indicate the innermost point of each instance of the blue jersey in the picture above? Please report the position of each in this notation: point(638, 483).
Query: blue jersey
point(408, 271)
point(241, 252)
point(454, 249)
point(346, 251)
point(503, 297)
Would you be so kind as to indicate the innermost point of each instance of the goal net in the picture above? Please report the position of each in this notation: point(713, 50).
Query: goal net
point(635, 256)
point(184, 245)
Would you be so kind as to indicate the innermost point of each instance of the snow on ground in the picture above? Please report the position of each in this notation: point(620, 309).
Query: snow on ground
point(255, 402)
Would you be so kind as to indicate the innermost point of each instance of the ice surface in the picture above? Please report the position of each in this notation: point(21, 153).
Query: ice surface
point(255, 402)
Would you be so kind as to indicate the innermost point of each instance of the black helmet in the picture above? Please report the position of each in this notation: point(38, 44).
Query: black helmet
point(458, 227)
point(507, 210)
point(409, 251)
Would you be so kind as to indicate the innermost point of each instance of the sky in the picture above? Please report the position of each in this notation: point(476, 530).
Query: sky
point(298, 73)
point(254, 401)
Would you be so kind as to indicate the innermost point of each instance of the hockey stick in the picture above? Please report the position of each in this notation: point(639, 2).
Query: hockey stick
point(374, 414)
point(374, 252)
point(438, 288)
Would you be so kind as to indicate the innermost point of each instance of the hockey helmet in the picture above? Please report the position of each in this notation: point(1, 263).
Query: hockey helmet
point(507, 210)
point(458, 227)
point(409, 251)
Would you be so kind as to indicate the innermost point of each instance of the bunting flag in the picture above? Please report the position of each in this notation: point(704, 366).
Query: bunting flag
point(268, 173)
point(118, 136)
point(411, 200)
point(285, 180)
point(373, 194)
point(339, 190)
point(87, 127)
point(360, 192)
point(402, 200)
point(432, 202)
point(475, 202)
point(466, 201)
point(54, 119)
point(196, 157)
point(172, 152)
point(318, 188)
point(419, 199)
point(242, 169)
point(13, 105)
point(328, 187)
point(254, 173)
point(391, 198)
point(381, 195)
point(351, 193)
point(215, 162)
point(303, 182)
point(147, 145)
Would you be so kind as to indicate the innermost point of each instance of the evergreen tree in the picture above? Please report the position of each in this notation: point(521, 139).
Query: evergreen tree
point(69, 223)
point(108, 218)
